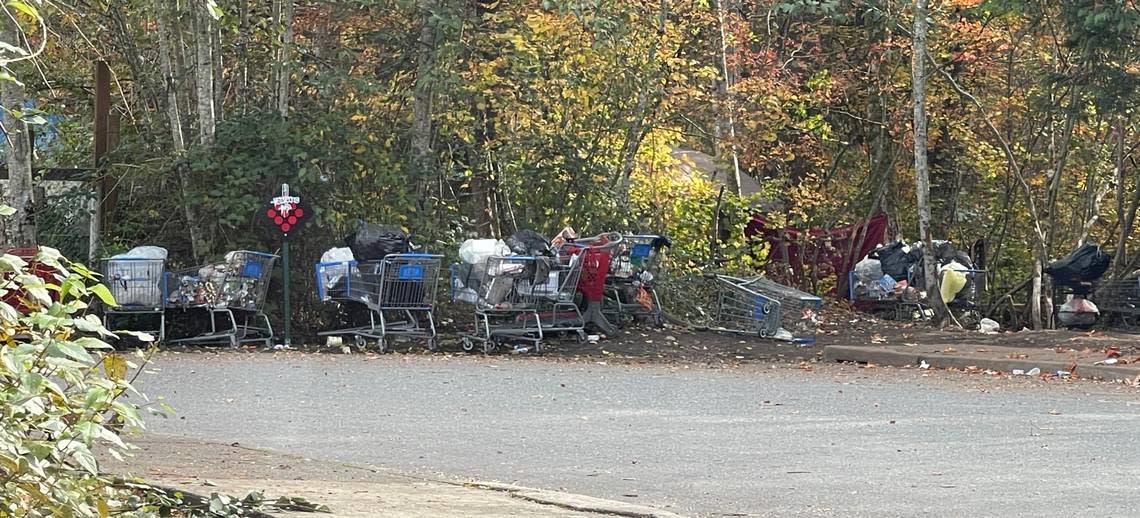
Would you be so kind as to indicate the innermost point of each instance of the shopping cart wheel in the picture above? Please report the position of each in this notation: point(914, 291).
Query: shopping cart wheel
point(360, 342)
point(381, 345)
point(468, 344)
point(582, 338)
point(764, 331)
point(489, 346)
point(433, 344)
point(767, 308)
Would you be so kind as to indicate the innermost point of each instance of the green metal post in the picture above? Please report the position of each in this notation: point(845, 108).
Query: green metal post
point(285, 279)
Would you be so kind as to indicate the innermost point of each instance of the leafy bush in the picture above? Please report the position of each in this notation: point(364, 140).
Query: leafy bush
point(61, 392)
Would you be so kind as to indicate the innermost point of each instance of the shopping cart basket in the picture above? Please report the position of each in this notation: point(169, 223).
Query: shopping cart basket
point(138, 286)
point(755, 305)
point(519, 299)
point(233, 291)
point(399, 292)
point(1120, 298)
point(629, 284)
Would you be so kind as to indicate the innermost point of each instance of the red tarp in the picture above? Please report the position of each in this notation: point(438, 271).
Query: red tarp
point(827, 249)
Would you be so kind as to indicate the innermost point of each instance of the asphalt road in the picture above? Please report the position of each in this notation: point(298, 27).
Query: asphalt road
point(747, 441)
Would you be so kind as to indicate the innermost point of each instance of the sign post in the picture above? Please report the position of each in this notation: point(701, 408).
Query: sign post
point(287, 215)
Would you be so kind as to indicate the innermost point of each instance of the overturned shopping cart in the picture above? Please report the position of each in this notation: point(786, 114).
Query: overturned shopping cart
point(519, 299)
point(138, 286)
point(230, 293)
point(758, 306)
point(399, 292)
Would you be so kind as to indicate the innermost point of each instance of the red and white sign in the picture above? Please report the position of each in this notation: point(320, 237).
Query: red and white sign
point(286, 212)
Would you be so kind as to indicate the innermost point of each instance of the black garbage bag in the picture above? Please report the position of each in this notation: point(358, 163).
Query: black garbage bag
point(894, 261)
point(1086, 264)
point(372, 242)
point(528, 242)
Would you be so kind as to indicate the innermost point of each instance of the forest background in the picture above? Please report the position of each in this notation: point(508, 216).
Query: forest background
point(460, 118)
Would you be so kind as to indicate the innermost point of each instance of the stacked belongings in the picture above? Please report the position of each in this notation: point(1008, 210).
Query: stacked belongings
point(385, 284)
point(236, 283)
point(1079, 272)
point(521, 290)
point(894, 272)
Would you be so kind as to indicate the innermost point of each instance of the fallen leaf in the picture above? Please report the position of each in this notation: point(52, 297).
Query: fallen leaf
point(981, 350)
point(949, 350)
point(878, 339)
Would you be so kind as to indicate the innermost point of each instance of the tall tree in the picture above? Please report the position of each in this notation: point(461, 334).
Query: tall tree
point(21, 227)
point(422, 95)
point(203, 18)
point(283, 9)
point(921, 169)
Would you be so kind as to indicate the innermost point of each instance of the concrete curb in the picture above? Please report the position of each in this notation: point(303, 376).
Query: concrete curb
point(900, 358)
point(585, 504)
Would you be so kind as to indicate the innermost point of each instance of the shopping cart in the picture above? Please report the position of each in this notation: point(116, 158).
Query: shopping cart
point(758, 306)
point(399, 292)
point(519, 299)
point(233, 291)
point(139, 288)
point(629, 284)
point(1120, 298)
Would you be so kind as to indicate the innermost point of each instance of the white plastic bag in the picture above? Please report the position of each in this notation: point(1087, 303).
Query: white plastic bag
point(144, 252)
point(476, 251)
point(869, 270)
point(987, 326)
point(333, 274)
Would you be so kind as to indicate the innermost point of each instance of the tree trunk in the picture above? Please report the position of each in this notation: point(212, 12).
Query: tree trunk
point(174, 115)
point(725, 125)
point(422, 103)
point(204, 74)
point(921, 170)
point(21, 226)
point(284, 12)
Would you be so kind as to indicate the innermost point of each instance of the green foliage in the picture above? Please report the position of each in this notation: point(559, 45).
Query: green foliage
point(58, 401)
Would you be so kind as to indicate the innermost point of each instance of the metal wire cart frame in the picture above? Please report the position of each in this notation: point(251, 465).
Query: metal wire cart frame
point(233, 290)
point(758, 306)
point(629, 285)
point(139, 288)
point(403, 286)
point(519, 299)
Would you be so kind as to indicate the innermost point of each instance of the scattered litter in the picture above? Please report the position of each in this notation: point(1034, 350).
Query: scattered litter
point(1063, 374)
point(878, 339)
point(1033, 372)
point(1018, 372)
point(1109, 361)
point(923, 365)
point(949, 350)
point(1054, 412)
point(987, 326)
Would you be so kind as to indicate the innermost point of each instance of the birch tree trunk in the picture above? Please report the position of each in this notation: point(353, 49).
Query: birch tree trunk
point(921, 170)
point(422, 102)
point(204, 74)
point(283, 10)
point(168, 61)
point(21, 226)
point(725, 125)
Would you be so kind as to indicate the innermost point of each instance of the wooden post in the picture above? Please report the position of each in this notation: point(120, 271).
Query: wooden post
point(102, 126)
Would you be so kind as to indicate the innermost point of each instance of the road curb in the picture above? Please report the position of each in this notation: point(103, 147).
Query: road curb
point(582, 503)
point(901, 358)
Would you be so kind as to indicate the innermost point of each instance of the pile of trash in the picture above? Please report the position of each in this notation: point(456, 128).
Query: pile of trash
point(370, 243)
point(534, 272)
point(233, 283)
point(894, 272)
point(1079, 271)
